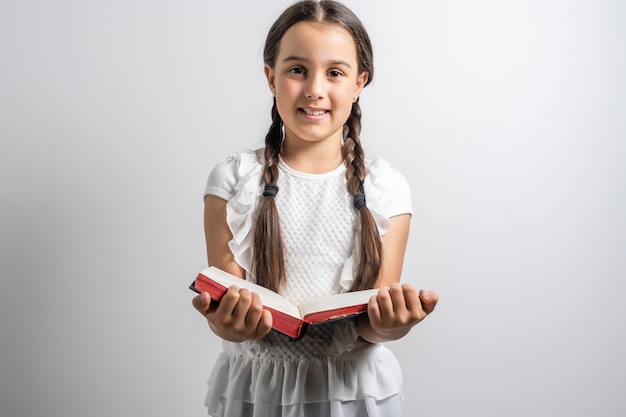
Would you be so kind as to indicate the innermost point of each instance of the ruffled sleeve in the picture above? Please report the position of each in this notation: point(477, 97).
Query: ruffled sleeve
point(237, 180)
point(387, 194)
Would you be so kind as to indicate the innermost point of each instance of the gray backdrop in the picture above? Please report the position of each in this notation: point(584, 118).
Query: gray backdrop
point(507, 117)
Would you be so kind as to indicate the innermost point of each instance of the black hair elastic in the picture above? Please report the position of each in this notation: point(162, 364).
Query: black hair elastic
point(359, 201)
point(270, 189)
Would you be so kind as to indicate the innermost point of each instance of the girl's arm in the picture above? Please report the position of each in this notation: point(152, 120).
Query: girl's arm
point(239, 316)
point(397, 308)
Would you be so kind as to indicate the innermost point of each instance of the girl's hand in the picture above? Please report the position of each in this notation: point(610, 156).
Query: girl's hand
point(394, 311)
point(239, 316)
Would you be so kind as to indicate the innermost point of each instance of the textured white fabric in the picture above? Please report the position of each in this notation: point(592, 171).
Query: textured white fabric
point(331, 370)
point(318, 223)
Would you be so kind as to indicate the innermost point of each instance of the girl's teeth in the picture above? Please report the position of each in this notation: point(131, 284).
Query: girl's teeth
point(314, 113)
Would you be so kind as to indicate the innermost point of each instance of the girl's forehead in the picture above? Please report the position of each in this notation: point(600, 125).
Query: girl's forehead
point(314, 37)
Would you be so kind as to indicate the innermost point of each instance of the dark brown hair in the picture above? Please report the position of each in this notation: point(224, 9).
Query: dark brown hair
point(268, 265)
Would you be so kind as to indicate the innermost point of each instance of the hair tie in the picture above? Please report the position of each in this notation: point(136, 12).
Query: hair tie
point(359, 201)
point(270, 189)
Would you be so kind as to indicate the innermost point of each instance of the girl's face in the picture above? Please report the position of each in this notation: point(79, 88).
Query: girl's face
point(316, 79)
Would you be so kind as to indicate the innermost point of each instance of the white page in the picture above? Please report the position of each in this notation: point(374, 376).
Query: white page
point(336, 301)
point(268, 297)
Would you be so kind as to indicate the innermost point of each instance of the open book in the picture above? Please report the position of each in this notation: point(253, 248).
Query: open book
point(292, 320)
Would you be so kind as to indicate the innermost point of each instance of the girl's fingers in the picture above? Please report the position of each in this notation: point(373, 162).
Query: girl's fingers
point(385, 303)
point(240, 311)
point(411, 297)
point(428, 300)
point(265, 323)
point(228, 302)
point(202, 303)
point(238, 316)
point(412, 302)
point(398, 306)
point(255, 310)
point(396, 291)
point(373, 309)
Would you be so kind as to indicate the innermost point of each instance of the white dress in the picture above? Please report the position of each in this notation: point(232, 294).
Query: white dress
point(330, 371)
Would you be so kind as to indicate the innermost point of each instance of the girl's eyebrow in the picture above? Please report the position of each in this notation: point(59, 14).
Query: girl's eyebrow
point(331, 62)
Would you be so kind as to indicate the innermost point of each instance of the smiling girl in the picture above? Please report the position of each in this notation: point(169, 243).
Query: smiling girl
point(309, 216)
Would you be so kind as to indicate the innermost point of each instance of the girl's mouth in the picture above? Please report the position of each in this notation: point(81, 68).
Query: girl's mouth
point(312, 112)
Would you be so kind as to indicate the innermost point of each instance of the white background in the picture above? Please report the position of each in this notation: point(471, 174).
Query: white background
point(507, 118)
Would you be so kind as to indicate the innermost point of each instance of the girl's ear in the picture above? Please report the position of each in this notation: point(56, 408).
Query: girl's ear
point(361, 80)
point(269, 74)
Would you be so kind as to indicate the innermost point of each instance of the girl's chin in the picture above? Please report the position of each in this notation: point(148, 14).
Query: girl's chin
point(313, 135)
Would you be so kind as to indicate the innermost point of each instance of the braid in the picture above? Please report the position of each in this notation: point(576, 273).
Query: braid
point(371, 246)
point(273, 140)
point(268, 262)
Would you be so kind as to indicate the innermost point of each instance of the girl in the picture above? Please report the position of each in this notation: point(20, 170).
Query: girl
point(309, 216)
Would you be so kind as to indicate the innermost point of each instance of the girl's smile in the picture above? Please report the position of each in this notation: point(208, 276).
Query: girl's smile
point(314, 113)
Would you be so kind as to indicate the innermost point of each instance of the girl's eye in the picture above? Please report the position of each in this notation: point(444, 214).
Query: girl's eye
point(335, 73)
point(297, 70)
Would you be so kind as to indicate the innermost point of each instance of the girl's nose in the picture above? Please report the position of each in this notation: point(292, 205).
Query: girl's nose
point(314, 88)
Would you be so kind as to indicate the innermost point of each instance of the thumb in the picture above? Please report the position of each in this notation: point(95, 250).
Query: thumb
point(202, 303)
point(429, 300)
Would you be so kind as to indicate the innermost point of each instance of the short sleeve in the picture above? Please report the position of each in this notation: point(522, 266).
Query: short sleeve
point(387, 192)
point(397, 196)
point(223, 178)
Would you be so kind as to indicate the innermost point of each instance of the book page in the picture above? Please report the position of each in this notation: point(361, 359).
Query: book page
point(268, 297)
point(336, 301)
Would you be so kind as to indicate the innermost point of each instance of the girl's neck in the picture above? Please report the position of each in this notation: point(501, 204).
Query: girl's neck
point(311, 158)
